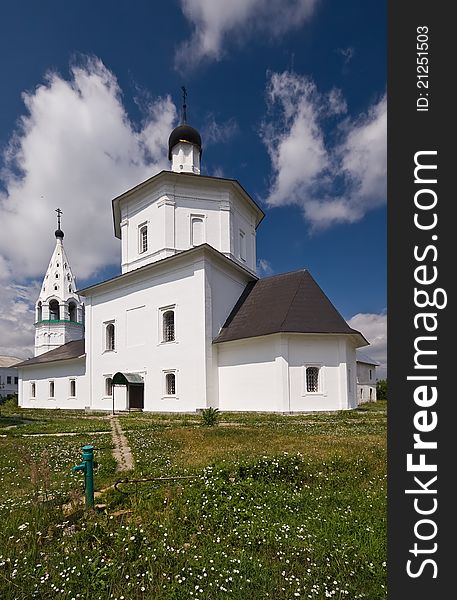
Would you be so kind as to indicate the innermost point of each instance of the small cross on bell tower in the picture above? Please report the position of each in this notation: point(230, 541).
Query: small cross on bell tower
point(59, 233)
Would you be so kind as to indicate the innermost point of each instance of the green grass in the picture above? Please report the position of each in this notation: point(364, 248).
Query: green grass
point(280, 507)
point(36, 421)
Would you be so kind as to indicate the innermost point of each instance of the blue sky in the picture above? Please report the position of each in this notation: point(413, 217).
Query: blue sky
point(289, 98)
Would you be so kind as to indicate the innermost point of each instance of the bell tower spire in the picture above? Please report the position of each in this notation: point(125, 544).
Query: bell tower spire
point(59, 311)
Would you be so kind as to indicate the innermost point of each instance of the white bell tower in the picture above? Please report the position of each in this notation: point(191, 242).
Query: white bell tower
point(59, 313)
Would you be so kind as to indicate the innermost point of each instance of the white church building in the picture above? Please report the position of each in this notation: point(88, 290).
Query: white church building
point(188, 324)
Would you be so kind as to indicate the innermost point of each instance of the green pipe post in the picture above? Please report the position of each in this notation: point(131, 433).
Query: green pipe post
point(88, 457)
point(87, 466)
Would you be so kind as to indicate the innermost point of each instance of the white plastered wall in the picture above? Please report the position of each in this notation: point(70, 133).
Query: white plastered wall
point(60, 373)
point(168, 209)
point(139, 347)
point(223, 287)
point(268, 373)
point(249, 375)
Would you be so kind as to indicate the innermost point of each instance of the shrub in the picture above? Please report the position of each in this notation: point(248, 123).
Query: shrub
point(381, 389)
point(210, 416)
point(10, 404)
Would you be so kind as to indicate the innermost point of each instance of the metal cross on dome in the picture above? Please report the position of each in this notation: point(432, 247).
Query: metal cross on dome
point(59, 213)
point(184, 105)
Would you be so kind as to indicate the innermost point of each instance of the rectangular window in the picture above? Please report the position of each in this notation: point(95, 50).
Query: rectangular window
point(242, 245)
point(312, 380)
point(196, 233)
point(8, 379)
point(72, 388)
point(371, 374)
point(167, 324)
point(170, 383)
point(349, 379)
point(33, 390)
point(51, 389)
point(109, 336)
point(143, 238)
point(16, 379)
point(109, 386)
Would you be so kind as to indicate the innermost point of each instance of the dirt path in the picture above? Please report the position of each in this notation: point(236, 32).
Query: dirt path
point(121, 451)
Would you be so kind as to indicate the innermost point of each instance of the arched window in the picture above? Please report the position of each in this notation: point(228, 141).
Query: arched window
point(72, 312)
point(109, 337)
point(54, 310)
point(109, 386)
point(39, 311)
point(312, 379)
point(169, 326)
point(143, 239)
point(170, 384)
point(51, 389)
point(72, 388)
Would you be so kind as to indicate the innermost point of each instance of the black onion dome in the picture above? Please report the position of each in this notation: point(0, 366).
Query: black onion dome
point(184, 133)
point(59, 233)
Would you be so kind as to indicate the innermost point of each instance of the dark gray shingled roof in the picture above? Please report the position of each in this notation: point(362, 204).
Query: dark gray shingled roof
point(64, 352)
point(292, 303)
point(364, 358)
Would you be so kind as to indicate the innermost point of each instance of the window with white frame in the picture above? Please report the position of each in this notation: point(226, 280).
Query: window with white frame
point(170, 383)
point(51, 389)
point(108, 386)
point(168, 325)
point(242, 245)
point(312, 384)
point(197, 230)
point(33, 389)
point(109, 337)
point(349, 379)
point(73, 388)
point(143, 238)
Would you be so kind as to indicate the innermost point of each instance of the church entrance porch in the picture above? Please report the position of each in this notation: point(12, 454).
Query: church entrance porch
point(135, 388)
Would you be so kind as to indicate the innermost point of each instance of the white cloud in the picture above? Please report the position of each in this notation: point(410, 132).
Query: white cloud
point(75, 148)
point(331, 183)
point(216, 22)
point(374, 328)
point(16, 318)
point(214, 132)
point(264, 267)
point(346, 53)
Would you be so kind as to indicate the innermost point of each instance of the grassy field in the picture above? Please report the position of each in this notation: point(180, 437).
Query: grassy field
point(277, 506)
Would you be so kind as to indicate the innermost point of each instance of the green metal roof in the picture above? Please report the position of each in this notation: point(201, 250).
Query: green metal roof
point(126, 378)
